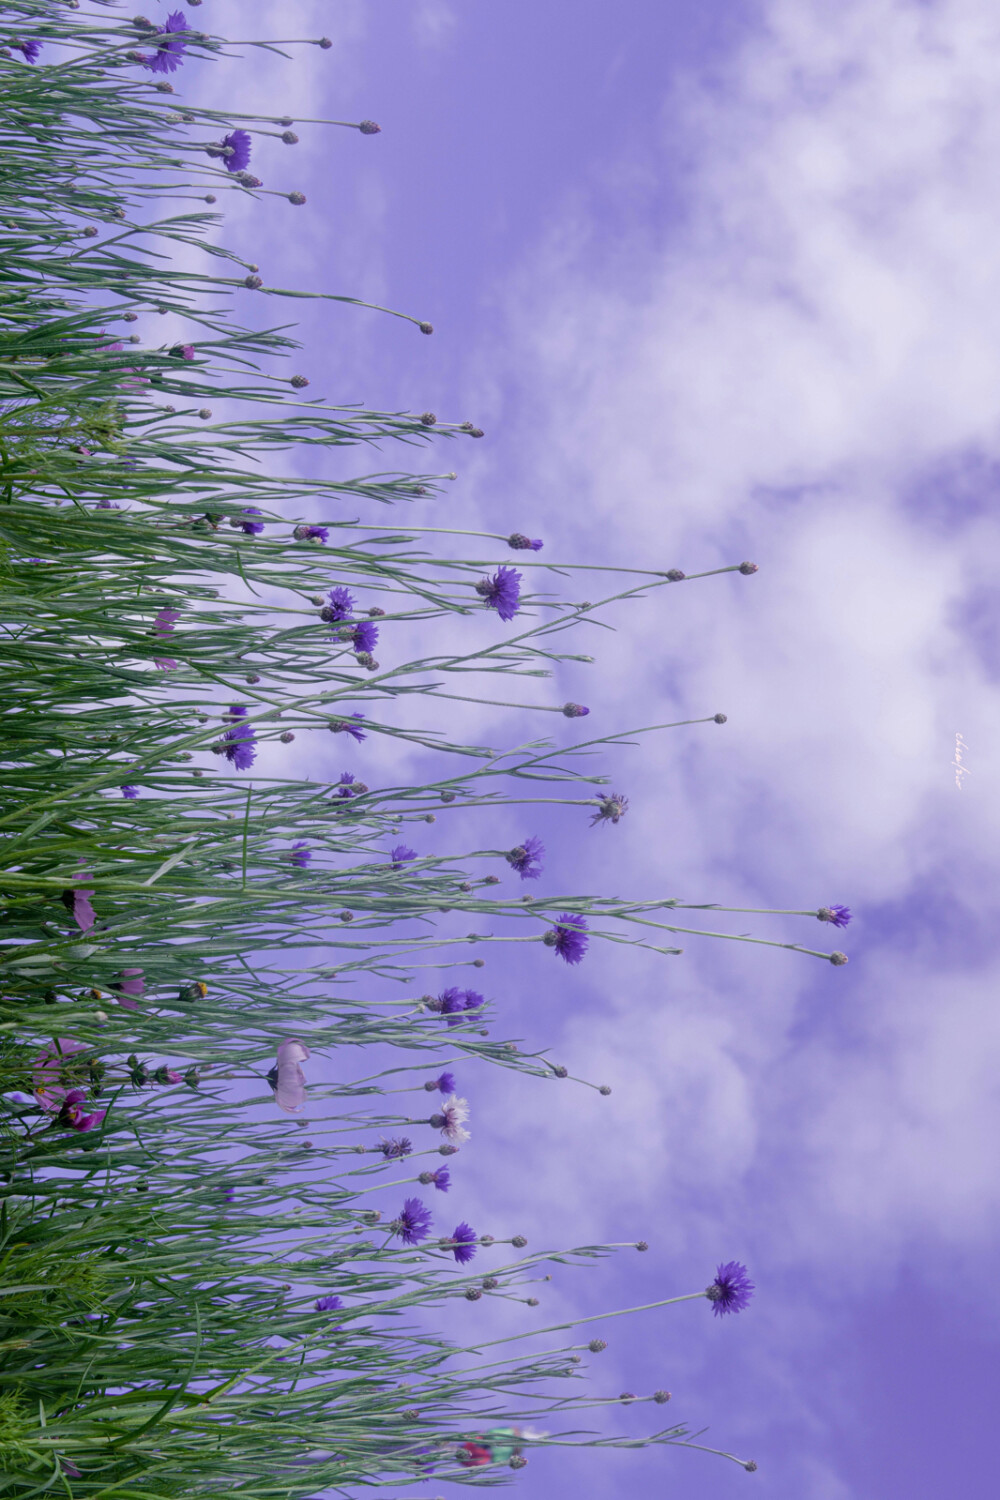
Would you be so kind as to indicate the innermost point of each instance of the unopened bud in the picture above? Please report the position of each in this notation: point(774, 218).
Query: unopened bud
point(661, 1397)
point(675, 575)
point(748, 567)
point(519, 1242)
point(838, 958)
point(596, 1346)
point(325, 43)
point(428, 418)
point(290, 138)
point(641, 1245)
point(605, 1089)
point(472, 1294)
point(368, 127)
point(253, 282)
point(490, 1284)
point(426, 327)
point(299, 382)
point(287, 737)
point(297, 199)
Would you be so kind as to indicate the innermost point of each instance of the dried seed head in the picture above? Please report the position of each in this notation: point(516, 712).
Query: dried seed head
point(368, 127)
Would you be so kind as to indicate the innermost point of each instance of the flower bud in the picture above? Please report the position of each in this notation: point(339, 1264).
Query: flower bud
point(747, 568)
point(519, 1242)
point(368, 127)
point(596, 1346)
point(426, 327)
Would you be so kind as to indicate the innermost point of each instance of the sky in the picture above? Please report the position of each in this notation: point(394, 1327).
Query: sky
point(717, 287)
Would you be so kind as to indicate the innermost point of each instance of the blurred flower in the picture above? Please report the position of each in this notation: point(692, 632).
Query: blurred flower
point(396, 1147)
point(463, 1243)
point(130, 792)
point(73, 1114)
point(347, 785)
point(29, 50)
point(311, 534)
point(731, 1290)
point(502, 591)
point(169, 51)
point(401, 856)
point(287, 1078)
point(413, 1223)
point(838, 915)
point(300, 855)
point(183, 351)
point(341, 605)
point(365, 637)
point(130, 982)
point(473, 1455)
point(164, 622)
point(252, 528)
point(568, 937)
point(78, 902)
point(344, 726)
point(48, 1077)
point(445, 1084)
point(521, 543)
point(450, 1119)
point(329, 1304)
point(441, 1179)
point(611, 810)
point(526, 859)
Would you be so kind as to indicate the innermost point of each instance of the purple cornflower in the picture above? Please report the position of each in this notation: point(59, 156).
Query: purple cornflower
point(129, 983)
point(401, 856)
point(838, 915)
point(130, 793)
point(502, 591)
point(413, 1223)
point(252, 528)
point(441, 1179)
point(365, 637)
point(301, 855)
point(240, 741)
point(169, 51)
point(521, 543)
point(78, 902)
point(29, 50)
point(341, 606)
point(526, 859)
point(329, 1304)
point(454, 1003)
point(347, 785)
point(731, 1290)
point(568, 937)
point(611, 810)
point(354, 730)
point(164, 622)
point(238, 157)
point(311, 534)
point(463, 1243)
point(396, 1147)
point(451, 1120)
point(445, 1084)
point(73, 1114)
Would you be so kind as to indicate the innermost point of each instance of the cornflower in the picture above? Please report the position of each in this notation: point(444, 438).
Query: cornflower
point(240, 741)
point(450, 1120)
point(169, 51)
point(343, 726)
point(610, 809)
point(300, 855)
point(365, 637)
point(502, 591)
point(441, 1179)
point(444, 1083)
point(413, 1223)
point(838, 915)
point(521, 543)
point(462, 1243)
point(396, 1147)
point(526, 859)
point(731, 1290)
point(401, 856)
point(568, 937)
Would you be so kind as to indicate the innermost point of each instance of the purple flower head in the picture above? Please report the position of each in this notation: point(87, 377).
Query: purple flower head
point(526, 859)
point(329, 1304)
point(130, 793)
point(568, 937)
point(130, 982)
point(287, 1078)
point(341, 605)
point(441, 1179)
point(169, 52)
point(445, 1084)
point(347, 785)
point(502, 591)
point(611, 810)
point(301, 855)
point(413, 1223)
point(78, 903)
point(838, 915)
point(450, 1120)
point(29, 50)
point(396, 1147)
point(239, 153)
point(365, 637)
point(731, 1290)
point(455, 1003)
point(164, 622)
point(107, 505)
point(252, 528)
point(240, 741)
point(73, 1114)
point(521, 543)
point(463, 1243)
point(312, 534)
point(344, 726)
point(575, 710)
point(401, 856)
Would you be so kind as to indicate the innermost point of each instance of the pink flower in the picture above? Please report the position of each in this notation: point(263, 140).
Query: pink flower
point(287, 1078)
point(78, 902)
point(130, 982)
point(73, 1114)
point(48, 1068)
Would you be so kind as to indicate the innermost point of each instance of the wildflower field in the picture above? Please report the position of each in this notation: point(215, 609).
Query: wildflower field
point(220, 1272)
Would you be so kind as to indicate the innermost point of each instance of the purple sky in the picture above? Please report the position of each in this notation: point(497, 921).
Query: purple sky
point(718, 289)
